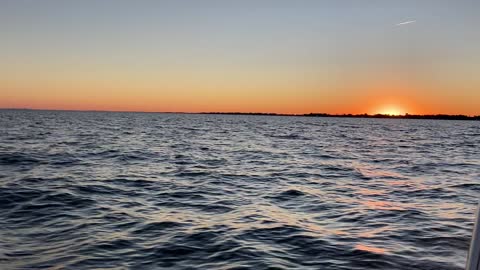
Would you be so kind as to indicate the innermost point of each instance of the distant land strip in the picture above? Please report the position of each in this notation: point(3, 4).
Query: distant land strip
point(364, 115)
point(404, 116)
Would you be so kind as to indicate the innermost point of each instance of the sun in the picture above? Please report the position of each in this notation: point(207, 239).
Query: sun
point(391, 110)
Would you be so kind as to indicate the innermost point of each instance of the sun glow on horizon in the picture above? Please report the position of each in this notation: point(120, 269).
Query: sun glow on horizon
point(391, 110)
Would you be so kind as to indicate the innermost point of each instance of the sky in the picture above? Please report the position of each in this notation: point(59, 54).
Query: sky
point(332, 56)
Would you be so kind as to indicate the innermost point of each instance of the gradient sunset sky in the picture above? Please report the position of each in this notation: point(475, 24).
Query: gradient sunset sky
point(337, 56)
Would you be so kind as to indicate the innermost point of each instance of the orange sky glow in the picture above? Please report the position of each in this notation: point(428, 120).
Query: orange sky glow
point(280, 58)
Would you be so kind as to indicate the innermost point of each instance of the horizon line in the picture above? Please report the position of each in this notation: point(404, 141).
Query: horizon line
point(473, 116)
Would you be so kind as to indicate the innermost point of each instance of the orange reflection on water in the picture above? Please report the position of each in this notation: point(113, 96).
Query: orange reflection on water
point(379, 205)
point(370, 249)
point(374, 232)
point(411, 183)
point(399, 183)
point(370, 192)
point(375, 172)
point(282, 216)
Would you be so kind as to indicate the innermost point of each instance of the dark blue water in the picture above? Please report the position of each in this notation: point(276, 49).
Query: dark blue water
point(87, 190)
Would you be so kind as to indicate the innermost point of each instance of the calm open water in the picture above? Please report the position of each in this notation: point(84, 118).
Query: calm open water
point(87, 190)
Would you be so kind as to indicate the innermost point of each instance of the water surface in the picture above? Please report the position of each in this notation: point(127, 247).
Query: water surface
point(86, 190)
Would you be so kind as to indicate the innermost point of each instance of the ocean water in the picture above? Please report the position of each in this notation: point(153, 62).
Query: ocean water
point(88, 190)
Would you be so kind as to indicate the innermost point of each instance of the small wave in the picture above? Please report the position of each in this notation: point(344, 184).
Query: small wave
point(11, 197)
point(468, 186)
point(289, 137)
point(102, 190)
point(18, 159)
point(288, 195)
point(157, 227)
point(192, 173)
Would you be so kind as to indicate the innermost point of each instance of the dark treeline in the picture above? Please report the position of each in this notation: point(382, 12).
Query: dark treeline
point(405, 116)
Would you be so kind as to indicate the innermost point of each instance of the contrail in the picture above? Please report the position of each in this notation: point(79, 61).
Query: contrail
point(407, 22)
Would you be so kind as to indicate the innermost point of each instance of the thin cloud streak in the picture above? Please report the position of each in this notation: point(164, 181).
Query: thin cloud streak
point(404, 23)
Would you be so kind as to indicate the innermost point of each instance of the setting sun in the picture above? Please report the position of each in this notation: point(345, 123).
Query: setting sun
point(391, 110)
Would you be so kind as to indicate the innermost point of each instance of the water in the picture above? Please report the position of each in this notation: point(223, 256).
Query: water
point(86, 190)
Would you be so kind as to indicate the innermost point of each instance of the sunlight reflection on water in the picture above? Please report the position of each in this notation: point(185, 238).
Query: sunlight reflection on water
point(370, 249)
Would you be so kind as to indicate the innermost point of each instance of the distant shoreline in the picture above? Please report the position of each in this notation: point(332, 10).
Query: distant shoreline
point(379, 116)
point(383, 116)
